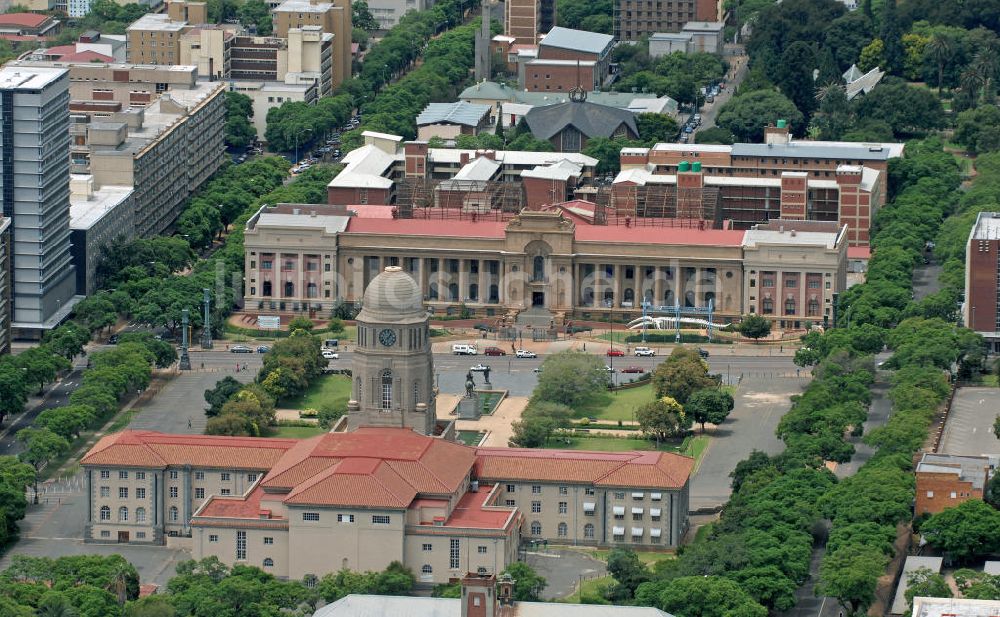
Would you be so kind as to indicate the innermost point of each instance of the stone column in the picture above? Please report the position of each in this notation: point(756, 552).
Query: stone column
point(598, 285)
point(442, 287)
point(698, 291)
point(658, 275)
point(421, 279)
point(463, 280)
point(481, 281)
point(619, 284)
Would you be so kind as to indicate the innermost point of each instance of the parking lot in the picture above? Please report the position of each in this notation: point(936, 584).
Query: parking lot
point(969, 429)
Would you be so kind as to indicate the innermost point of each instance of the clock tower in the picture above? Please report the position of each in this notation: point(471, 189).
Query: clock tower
point(393, 367)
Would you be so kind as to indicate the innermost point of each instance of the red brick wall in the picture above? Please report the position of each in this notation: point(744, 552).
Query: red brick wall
point(539, 191)
point(982, 290)
point(557, 78)
point(942, 485)
point(337, 196)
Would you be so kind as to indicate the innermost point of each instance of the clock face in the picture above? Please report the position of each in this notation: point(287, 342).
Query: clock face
point(387, 337)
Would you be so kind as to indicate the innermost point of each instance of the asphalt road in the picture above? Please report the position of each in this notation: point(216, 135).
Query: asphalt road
point(57, 395)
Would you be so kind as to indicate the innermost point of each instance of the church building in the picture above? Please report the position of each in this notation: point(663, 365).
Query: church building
point(393, 486)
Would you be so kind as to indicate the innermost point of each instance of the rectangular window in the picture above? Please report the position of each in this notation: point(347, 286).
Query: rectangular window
point(105, 491)
point(268, 540)
point(482, 550)
point(345, 518)
point(536, 506)
point(105, 534)
point(564, 490)
point(225, 491)
point(241, 545)
point(380, 519)
point(141, 535)
point(930, 494)
point(813, 284)
point(563, 507)
point(251, 478)
point(588, 491)
point(173, 475)
point(453, 554)
point(310, 516)
point(173, 491)
point(123, 475)
point(536, 489)
point(510, 503)
point(105, 474)
point(122, 492)
point(619, 494)
point(140, 493)
point(510, 488)
point(140, 475)
point(427, 547)
point(199, 493)
point(224, 477)
point(199, 475)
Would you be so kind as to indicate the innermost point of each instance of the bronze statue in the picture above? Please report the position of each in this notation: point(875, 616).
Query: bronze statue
point(469, 384)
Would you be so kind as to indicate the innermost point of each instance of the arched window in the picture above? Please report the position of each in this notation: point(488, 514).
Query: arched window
point(173, 514)
point(453, 292)
point(140, 515)
point(427, 569)
point(789, 307)
point(266, 289)
point(312, 291)
point(432, 291)
point(494, 294)
point(538, 268)
point(668, 298)
point(709, 297)
point(813, 309)
point(588, 530)
point(563, 530)
point(105, 513)
point(689, 299)
point(386, 389)
point(268, 562)
point(767, 306)
point(536, 528)
point(474, 291)
point(629, 295)
point(122, 514)
point(289, 289)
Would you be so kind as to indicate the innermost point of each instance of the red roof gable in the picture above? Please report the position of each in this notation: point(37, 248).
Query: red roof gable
point(86, 56)
point(27, 20)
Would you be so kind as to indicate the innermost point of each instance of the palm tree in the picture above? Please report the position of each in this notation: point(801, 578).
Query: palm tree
point(941, 51)
point(983, 71)
point(55, 604)
point(972, 82)
point(118, 584)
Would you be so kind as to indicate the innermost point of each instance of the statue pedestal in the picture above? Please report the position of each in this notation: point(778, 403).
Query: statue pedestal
point(469, 408)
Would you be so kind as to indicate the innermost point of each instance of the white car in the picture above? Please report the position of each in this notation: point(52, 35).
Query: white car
point(609, 369)
point(524, 353)
point(479, 368)
point(329, 354)
point(644, 352)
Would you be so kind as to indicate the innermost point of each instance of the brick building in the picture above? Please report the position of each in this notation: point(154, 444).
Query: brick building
point(945, 481)
point(525, 20)
point(981, 311)
point(568, 58)
point(635, 19)
point(332, 17)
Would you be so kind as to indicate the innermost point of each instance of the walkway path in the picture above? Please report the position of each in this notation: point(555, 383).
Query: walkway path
point(498, 424)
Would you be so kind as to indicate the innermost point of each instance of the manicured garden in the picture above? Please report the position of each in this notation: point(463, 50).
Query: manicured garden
point(328, 392)
point(295, 432)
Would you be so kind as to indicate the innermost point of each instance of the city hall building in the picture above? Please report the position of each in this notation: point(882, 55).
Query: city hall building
point(391, 485)
point(570, 260)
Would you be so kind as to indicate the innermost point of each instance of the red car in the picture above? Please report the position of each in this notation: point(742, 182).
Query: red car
point(633, 369)
point(494, 351)
point(616, 352)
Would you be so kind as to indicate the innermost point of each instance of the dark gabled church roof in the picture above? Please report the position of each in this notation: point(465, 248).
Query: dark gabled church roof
point(591, 119)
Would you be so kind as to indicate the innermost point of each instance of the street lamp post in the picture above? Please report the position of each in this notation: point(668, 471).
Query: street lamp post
point(206, 332)
point(185, 363)
point(302, 132)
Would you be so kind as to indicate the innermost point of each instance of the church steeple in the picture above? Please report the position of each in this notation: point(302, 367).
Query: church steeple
point(393, 366)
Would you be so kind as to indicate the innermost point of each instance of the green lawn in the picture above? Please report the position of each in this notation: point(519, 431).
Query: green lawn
point(618, 405)
point(295, 432)
point(328, 392)
point(592, 587)
point(606, 444)
point(470, 438)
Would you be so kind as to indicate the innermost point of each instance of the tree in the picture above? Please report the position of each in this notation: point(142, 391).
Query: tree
point(662, 418)
point(68, 421)
point(699, 596)
point(300, 323)
point(606, 151)
point(255, 13)
point(40, 366)
point(13, 389)
point(925, 583)
point(709, 405)
point(908, 110)
point(362, 16)
point(218, 396)
point(531, 432)
point(977, 585)
point(528, 584)
point(654, 128)
point(150, 606)
point(15, 477)
point(978, 129)
point(682, 374)
point(795, 76)
point(40, 446)
point(627, 570)
point(754, 326)
point(851, 575)
point(966, 531)
point(714, 135)
point(746, 115)
point(55, 604)
point(571, 378)
point(891, 38)
point(940, 50)
point(992, 493)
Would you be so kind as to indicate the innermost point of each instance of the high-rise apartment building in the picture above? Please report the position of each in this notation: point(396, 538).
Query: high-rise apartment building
point(982, 278)
point(333, 17)
point(525, 20)
point(4, 285)
point(34, 178)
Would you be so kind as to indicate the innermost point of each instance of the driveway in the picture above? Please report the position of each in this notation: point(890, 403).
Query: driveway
point(563, 569)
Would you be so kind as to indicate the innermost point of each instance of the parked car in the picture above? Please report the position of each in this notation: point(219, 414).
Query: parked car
point(494, 351)
point(329, 354)
point(524, 353)
point(461, 349)
point(537, 369)
point(479, 368)
point(263, 349)
point(617, 353)
point(240, 349)
point(710, 98)
point(609, 369)
point(644, 352)
point(113, 339)
point(702, 352)
point(633, 369)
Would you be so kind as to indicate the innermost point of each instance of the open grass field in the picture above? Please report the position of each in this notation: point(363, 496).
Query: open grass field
point(618, 405)
point(295, 432)
point(328, 392)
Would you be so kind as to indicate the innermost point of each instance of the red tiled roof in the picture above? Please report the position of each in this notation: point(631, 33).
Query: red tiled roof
point(859, 252)
point(228, 507)
point(624, 469)
point(427, 227)
point(471, 511)
point(152, 449)
point(372, 211)
point(27, 20)
point(86, 56)
point(355, 482)
point(61, 50)
point(22, 37)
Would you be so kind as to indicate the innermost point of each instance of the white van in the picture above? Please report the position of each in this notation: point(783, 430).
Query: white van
point(644, 351)
point(461, 349)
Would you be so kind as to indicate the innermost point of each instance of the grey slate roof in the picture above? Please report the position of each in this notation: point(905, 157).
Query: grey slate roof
point(865, 83)
point(459, 112)
point(591, 119)
point(852, 74)
point(577, 40)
